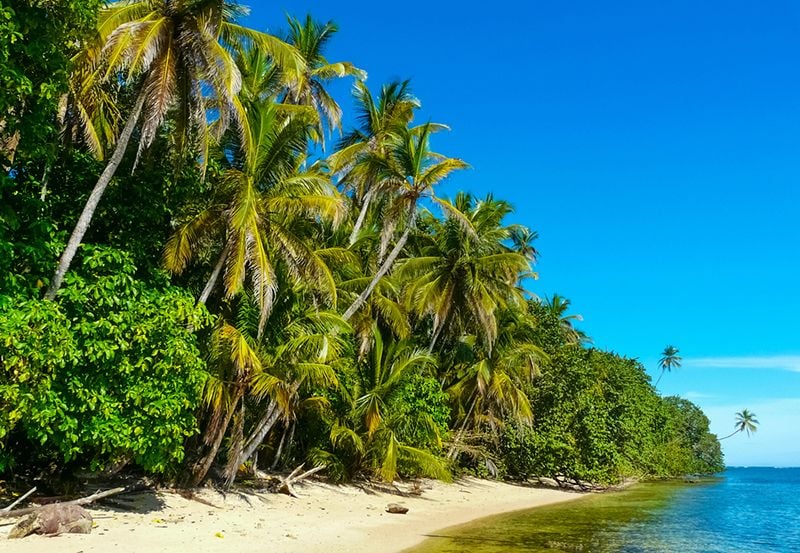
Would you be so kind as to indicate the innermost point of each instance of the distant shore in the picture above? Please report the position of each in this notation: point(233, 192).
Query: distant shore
point(324, 518)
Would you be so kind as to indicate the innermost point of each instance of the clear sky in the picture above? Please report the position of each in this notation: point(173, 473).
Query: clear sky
point(655, 146)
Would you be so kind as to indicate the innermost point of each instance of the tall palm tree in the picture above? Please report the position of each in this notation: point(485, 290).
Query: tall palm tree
point(412, 169)
point(669, 360)
point(255, 213)
point(310, 39)
point(378, 119)
point(745, 422)
point(174, 53)
point(461, 277)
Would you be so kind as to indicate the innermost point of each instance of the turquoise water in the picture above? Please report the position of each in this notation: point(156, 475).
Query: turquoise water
point(745, 510)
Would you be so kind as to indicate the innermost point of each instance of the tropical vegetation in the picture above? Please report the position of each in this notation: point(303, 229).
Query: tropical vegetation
point(208, 269)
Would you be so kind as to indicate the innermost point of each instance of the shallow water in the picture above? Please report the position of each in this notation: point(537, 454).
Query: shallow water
point(745, 510)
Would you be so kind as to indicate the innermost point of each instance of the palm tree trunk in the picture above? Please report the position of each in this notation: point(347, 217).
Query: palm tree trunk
point(277, 458)
point(729, 435)
point(385, 266)
point(451, 454)
point(234, 453)
point(658, 379)
point(436, 334)
point(212, 280)
point(94, 198)
point(201, 468)
point(263, 428)
point(361, 216)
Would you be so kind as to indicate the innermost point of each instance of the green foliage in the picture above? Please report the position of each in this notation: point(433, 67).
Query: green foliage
point(39, 37)
point(110, 373)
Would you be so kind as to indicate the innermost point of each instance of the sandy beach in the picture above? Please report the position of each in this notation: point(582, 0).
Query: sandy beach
point(324, 518)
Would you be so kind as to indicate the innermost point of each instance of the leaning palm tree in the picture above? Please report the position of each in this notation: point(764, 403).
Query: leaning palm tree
point(745, 422)
point(172, 53)
point(378, 118)
point(669, 360)
point(412, 169)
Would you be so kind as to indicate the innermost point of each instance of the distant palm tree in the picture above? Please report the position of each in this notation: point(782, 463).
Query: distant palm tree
point(669, 360)
point(559, 307)
point(745, 422)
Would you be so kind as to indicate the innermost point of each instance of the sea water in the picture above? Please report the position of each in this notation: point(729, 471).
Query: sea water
point(743, 510)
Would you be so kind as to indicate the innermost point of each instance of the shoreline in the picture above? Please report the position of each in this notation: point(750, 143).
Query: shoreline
point(324, 517)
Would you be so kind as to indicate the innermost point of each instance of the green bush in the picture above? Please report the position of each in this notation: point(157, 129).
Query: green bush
point(110, 372)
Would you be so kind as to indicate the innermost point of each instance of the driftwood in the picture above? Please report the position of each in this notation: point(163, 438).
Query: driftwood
point(284, 485)
point(81, 501)
point(18, 501)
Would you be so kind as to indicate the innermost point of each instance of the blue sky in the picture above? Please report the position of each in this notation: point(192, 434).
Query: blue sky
point(656, 149)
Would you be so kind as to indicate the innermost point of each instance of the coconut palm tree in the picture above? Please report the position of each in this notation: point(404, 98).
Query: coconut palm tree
point(559, 307)
point(371, 430)
point(378, 118)
point(255, 212)
point(745, 422)
point(310, 39)
point(412, 169)
point(461, 277)
point(492, 386)
point(669, 360)
point(173, 53)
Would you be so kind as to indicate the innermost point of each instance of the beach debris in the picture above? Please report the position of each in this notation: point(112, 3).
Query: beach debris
point(81, 501)
point(51, 520)
point(396, 509)
point(19, 500)
point(284, 485)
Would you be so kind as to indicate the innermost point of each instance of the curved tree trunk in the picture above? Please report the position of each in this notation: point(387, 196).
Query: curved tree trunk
point(94, 198)
point(385, 266)
point(361, 216)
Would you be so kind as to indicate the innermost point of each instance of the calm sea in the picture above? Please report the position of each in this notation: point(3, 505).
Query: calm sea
point(745, 510)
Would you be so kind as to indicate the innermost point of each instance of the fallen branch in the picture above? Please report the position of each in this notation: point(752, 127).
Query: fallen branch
point(18, 501)
point(81, 501)
point(293, 478)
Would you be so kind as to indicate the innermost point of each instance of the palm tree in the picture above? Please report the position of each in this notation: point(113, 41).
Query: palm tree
point(461, 277)
point(559, 308)
point(174, 53)
point(376, 429)
point(412, 169)
point(669, 360)
point(493, 385)
point(310, 39)
point(745, 422)
point(256, 210)
point(378, 118)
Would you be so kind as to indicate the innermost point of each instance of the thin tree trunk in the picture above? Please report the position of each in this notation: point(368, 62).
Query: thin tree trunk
point(290, 441)
point(277, 458)
point(201, 468)
point(460, 434)
point(94, 198)
point(361, 216)
point(436, 335)
point(729, 435)
point(212, 280)
point(266, 424)
point(385, 266)
point(235, 451)
point(658, 380)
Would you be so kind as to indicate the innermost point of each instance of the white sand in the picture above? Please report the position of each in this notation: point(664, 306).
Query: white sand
point(324, 518)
